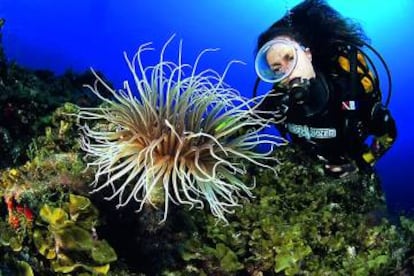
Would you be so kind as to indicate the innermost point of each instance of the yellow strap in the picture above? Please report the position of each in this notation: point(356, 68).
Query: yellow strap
point(361, 59)
point(369, 157)
point(365, 81)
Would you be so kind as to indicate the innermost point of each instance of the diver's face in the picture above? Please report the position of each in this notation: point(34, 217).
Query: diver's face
point(282, 57)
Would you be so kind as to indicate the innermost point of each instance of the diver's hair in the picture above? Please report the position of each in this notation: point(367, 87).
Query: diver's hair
point(318, 26)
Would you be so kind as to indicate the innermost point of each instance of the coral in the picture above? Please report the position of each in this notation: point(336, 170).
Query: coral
point(59, 226)
point(46, 228)
point(176, 140)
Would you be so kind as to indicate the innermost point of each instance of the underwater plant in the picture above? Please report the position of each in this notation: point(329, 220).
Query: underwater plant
point(174, 137)
point(46, 227)
point(302, 223)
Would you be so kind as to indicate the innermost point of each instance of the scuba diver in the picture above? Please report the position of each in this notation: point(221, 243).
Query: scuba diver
point(325, 97)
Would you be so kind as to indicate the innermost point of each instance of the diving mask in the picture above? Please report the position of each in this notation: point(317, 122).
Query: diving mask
point(276, 60)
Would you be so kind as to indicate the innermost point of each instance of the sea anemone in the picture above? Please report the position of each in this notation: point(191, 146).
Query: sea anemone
point(173, 137)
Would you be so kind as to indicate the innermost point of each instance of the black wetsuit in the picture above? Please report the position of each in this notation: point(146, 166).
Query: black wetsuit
point(333, 122)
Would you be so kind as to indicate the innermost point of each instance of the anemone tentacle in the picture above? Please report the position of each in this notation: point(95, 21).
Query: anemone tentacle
point(173, 137)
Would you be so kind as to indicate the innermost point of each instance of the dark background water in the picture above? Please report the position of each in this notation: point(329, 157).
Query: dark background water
point(59, 35)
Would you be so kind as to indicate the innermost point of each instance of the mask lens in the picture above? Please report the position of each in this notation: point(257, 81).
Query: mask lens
point(276, 60)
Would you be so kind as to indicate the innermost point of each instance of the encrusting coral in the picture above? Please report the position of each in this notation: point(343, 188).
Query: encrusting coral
point(47, 228)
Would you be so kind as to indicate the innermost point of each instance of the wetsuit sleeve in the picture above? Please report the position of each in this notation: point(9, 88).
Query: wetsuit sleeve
point(382, 126)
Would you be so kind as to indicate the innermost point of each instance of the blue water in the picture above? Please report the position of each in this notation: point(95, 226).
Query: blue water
point(63, 34)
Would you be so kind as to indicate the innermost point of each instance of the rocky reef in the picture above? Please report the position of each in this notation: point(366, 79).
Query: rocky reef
point(48, 224)
point(27, 100)
point(299, 221)
point(302, 222)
